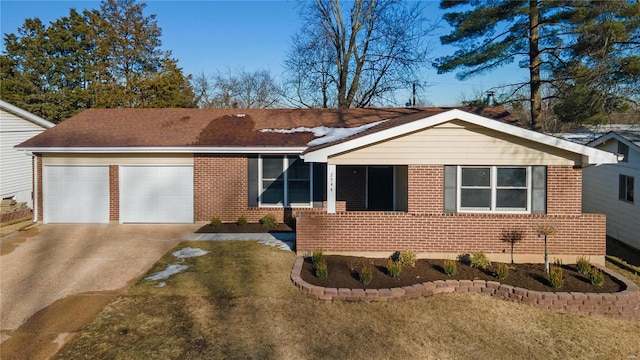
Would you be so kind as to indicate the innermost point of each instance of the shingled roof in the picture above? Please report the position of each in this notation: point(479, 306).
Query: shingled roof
point(96, 128)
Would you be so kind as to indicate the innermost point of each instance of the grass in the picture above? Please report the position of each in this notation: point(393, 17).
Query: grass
point(238, 302)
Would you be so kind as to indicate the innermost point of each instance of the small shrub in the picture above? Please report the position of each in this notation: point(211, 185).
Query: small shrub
point(317, 256)
point(556, 276)
point(479, 260)
point(583, 265)
point(321, 270)
point(407, 258)
point(215, 221)
point(464, 258)
point(365, 274)
point(502, 271)
point(450, 267)
point(269, 221)
point(394, 268)
point(242, 221)
point(596, 277)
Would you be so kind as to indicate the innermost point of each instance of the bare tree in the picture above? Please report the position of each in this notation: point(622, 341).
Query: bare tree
point(377, 49)
point(242, 89)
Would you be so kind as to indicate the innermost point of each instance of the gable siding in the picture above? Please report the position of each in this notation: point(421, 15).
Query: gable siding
point(600, 195)
point(15, 178)
point(456, 142)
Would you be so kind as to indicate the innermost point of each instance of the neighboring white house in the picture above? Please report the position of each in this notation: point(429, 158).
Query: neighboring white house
point(17, 126)
point(612, 189)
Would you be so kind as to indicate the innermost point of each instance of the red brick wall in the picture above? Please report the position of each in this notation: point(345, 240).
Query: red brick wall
point(426, 189)
point(425, 228)
point(114, 193)
point(564, 190)
point(221, 189)
point(39, 192)
point(449, 233)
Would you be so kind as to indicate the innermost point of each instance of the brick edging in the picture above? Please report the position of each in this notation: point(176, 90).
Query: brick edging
point(624, 304)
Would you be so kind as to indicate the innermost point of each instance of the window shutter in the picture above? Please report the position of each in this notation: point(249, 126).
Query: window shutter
point(319, 187)
point(450, 191)
point(539, 190)
point(252, 181)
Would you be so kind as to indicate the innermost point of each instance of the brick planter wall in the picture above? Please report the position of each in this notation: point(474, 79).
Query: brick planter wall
point(623, 305)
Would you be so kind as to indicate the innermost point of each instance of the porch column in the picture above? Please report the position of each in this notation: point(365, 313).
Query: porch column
point(331, 188)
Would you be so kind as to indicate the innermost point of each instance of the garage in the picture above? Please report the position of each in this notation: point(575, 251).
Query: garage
point(76, 194)
point(156, 194)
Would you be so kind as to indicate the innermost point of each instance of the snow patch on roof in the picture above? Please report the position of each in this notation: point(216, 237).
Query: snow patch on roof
point(326, 134)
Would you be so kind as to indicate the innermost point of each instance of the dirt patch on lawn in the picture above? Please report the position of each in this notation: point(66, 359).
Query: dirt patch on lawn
point(342, 273)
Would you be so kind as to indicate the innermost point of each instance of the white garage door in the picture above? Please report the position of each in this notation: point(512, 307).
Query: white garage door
point(156, 194)
point(76, 194)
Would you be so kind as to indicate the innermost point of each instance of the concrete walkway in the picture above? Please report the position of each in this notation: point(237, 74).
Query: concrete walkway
point(55, 278)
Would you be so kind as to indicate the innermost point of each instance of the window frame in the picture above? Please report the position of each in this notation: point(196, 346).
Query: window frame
point(493, 186)
point(285, 178)
point(623, 194)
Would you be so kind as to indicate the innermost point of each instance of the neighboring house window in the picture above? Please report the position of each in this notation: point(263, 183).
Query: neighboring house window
point(624, 150)
point(492, 188)
point(625, 190)
point(284, 181)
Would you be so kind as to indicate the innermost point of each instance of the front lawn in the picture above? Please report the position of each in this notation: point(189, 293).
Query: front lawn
point(237, 301)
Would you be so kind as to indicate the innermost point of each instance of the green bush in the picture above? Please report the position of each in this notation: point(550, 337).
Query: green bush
point(407, 258)
point(502, 271)
point(596, 277)
point(556, 276)
point(269, 221)
point(394, 268)
point(583, 265)
point(450, 267)
point(365, 273)
point(317, 256)
point(321, 270)
point(479, 260)
point(242, 221)
point(464, 258)
point(215, 221)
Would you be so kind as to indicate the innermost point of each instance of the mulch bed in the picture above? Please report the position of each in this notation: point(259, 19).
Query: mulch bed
point(248, 228)
point(342, 274)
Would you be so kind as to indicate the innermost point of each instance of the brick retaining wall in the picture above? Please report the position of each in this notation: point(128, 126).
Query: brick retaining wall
point(623, 305)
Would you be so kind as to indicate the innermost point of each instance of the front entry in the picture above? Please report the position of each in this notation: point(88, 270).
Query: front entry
point(380, 188)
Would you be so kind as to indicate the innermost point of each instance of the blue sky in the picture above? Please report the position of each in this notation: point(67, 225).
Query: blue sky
point(211, 36)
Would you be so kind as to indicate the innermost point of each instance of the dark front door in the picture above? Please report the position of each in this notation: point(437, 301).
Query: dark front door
point(380, 188)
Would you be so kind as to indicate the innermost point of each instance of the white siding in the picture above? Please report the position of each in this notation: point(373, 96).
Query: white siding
point(15, 166)
point(600, 195)
point(457, 142)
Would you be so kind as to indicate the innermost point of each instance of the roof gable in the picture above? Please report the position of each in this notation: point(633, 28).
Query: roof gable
point(416, 122)
point(630, 138)
point(26, 115)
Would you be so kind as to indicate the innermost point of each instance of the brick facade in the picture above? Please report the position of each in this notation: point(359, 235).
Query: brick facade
point(352, 187)
point(38, 194)
point(426, 189)
point(427, 229)
point(114, 192)
point(221, 189)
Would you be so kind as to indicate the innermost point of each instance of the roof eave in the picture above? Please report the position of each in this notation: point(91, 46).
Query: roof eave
point(174, 150)
point(26, 115)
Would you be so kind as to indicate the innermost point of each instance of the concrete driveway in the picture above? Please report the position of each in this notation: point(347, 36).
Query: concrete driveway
point(55, 278)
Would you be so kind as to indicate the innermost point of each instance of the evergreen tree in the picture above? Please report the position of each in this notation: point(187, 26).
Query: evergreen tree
point(101, 58)
point(545, 36)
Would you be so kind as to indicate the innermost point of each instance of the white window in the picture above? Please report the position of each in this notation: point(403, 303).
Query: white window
point(625, 188)
point(284, 181)
point(493, 188)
